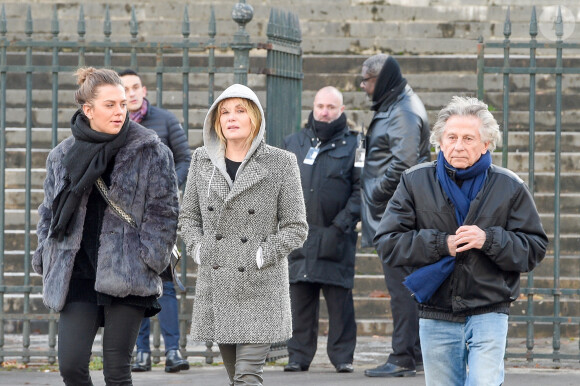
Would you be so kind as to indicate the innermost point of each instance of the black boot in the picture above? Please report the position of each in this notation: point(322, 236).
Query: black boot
point(142, 362)
point(174, 362)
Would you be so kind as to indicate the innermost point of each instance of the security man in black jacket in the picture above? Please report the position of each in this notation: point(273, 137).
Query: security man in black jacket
point(325, 150)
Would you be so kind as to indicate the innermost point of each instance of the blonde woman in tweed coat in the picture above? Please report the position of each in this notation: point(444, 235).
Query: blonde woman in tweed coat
point(242, 214)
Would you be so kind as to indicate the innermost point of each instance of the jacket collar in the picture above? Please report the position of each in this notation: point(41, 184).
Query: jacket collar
point(308, 134)
point(253, 172)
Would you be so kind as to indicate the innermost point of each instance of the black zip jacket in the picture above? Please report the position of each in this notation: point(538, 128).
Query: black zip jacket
point(331, 188)
point(413, 232)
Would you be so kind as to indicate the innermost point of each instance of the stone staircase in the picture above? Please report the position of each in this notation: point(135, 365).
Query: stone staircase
point(438, 40)
point(426, 27)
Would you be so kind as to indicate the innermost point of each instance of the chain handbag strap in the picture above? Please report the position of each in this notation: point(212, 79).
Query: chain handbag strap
point(116, 208)
point(129, 220)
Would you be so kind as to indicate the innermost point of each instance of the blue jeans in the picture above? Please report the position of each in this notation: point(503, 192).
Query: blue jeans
point(450, 348)
point(168, 321)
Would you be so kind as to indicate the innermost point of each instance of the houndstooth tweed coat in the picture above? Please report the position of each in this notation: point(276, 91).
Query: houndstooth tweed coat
point(225, 224)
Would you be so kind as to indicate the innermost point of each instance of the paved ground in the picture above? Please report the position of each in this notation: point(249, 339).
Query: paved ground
point(273, 375)
point(370, 352)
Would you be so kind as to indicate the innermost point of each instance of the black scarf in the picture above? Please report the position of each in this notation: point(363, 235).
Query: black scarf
point(86, 160)
point(390, 83)
point(324, 131)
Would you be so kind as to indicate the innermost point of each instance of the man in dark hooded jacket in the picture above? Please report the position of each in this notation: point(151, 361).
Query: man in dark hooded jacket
point(325, 150)
point(397, 138)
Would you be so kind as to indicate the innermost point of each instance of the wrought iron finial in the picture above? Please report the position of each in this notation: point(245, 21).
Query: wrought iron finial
point(274, 23)
point(3, 24)
point(507, 26)
point(212, 26)
point(242, 14)
point(54, 24)
point(28, 25)
point(107, 24)
point(534, 24)
point(82, 25)
point(559, 25)
point(270, 28)
point(133, 25)
point(185, 25)
point(296, 31)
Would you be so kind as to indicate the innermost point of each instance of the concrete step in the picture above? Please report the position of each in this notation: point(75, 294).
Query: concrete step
point(544, 182)
point(569, 223)
point(519, 141)
point(15, 219)
point(569, 202)
point(13, 247)
point(15, 198)
point(544, 161)
point(15, 178)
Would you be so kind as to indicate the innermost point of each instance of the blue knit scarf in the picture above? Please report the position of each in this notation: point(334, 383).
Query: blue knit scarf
point(426, 280)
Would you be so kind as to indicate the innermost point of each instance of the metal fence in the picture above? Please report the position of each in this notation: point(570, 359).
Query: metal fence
point(532, 66)
point(27, 58)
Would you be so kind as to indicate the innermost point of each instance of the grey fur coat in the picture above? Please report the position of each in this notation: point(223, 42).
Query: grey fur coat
point(224, 224)
point(144, 184)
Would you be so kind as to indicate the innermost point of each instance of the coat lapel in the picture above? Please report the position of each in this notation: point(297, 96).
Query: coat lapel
point(217, 182)
point(250, 175)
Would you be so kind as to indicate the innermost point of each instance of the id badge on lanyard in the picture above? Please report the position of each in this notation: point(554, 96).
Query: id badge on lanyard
point(359, 155)
point(312, 154)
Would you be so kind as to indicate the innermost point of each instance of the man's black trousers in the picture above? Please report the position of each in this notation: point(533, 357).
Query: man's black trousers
point(405, 339)
point(305, 298)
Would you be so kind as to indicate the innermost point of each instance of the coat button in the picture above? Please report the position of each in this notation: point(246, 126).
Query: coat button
point(210, 208)
point(251, 211)
point(333, 145)
point(215, 266)
point(219, 236)
point(244, 239)
point(241, 269)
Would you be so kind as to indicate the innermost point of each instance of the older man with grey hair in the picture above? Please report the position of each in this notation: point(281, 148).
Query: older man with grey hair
point(470, 229)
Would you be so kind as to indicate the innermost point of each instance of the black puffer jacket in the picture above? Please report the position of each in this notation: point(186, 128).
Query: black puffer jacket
point(396, 140)
point(171, 134)
point(331, 189)
point(419, 218)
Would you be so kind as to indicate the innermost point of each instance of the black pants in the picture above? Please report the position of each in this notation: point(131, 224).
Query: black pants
point(77, 329)
point(405, 339)
point(305, 299)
